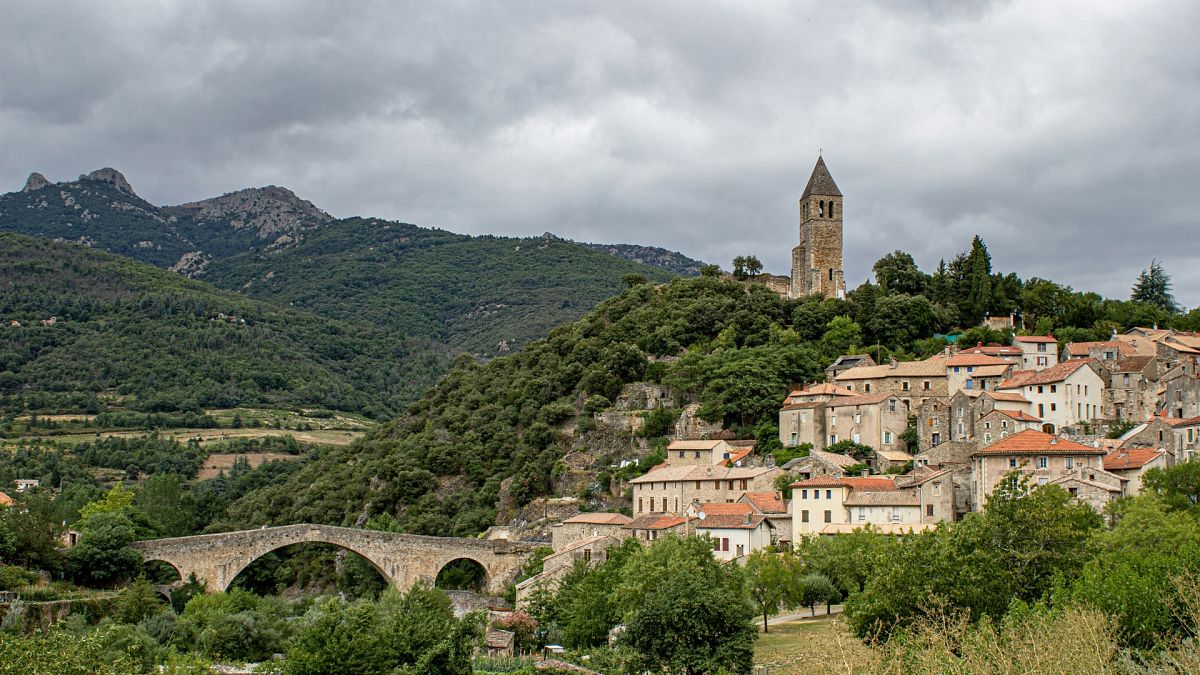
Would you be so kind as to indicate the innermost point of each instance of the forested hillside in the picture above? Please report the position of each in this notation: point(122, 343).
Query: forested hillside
point(84, 330)
point(443, 465)
point(484, 295)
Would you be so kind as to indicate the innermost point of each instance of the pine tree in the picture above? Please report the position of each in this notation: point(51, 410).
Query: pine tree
point(977, 273)
point(1154, 287)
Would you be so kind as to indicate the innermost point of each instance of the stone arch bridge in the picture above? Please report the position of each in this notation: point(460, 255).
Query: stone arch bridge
point(402, 559)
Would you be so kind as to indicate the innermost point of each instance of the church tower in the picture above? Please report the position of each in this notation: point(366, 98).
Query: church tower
point(817, 261)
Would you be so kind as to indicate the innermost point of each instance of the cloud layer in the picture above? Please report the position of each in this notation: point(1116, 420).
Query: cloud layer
point(1066, 134)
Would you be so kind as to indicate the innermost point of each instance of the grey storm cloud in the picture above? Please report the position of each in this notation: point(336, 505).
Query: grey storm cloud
point(1066, 134)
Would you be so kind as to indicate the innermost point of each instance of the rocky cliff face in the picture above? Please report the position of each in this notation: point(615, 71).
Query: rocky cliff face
point(112, 177)
point(274, 214)
point(36, 181)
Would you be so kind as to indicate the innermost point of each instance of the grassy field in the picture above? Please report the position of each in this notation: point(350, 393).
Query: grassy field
point(821, 646)
point(207, 436)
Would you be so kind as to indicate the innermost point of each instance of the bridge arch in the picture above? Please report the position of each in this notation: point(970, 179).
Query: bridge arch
point(401, 559)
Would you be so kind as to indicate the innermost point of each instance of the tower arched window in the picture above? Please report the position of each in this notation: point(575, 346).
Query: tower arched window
point(821, 209)
point(831, 209)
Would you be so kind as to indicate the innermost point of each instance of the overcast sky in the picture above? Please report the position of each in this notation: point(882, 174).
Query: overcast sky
point(1067, 134)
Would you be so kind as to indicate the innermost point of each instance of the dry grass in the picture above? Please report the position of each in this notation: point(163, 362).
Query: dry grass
point(821, 646)
point(204, 436)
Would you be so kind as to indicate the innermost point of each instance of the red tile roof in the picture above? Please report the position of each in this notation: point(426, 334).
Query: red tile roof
point(1035, 338)
point(1033, 442)
point(1024, 378)
point(599, 518)
point(767, 502)
point(993, 350)
point(738, 455)
point(655, 521)
point(874, 483)
point(5, 500)
point(716, 508)
point(731, 521)
point(966, 359)
point(1131, 458)
point(823, 389)
point(1019, 415)
point(1082, 348)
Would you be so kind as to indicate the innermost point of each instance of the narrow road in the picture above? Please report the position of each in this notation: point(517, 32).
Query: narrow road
point(805, 615)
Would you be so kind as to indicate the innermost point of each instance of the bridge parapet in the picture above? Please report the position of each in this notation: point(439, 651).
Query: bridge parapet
point(402, 559)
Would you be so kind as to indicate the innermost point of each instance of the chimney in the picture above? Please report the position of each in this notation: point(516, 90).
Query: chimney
point(865, 472)
point(892, 363)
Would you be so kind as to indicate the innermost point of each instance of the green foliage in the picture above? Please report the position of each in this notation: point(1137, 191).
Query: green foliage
point(1119, 428)
point(897, 272)
point(745, 266)
point(1140, 572)
point(818, 589)
point(236, 625)
point(60, 652)
point(1178, 486)
point(13, 578)
point(773, 582)
point(137, 602)
point(1015, 549)
point(685, 612)
point(411, 632)
point(1153, 287)
point(659, 422)
point(172, 344)
point(784, 455)
point(103, 556)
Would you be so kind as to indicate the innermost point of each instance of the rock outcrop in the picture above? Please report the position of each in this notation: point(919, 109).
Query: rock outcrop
point(113, 177)
point(36, 181)
point(274, 213)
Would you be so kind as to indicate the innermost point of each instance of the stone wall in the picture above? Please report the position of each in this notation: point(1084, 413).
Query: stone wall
point(691, 428)
point(402, 559)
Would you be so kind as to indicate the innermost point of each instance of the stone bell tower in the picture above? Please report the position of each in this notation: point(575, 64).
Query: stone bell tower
point(817, 261)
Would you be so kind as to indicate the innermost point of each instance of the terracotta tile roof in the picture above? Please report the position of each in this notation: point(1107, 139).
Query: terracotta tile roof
point(737, 456)
point(869, 399)
point(767, 502)
point(5, 500)
point(894, 455)
point(968, 359)
point(1034, 338)
point(874, 483)
point(1033, 442)
point(727, 521)
point(716, 508)
point(919, 476)
point(1054, 374)
point(1006, 396)
point(1081, 349)
point(934, 366)
point(655, 521)
point(598, 518)
point(693, 445)
point(1018, 415)
point(993, 350)
point(884, 498)
point(694, 472)
point(823, 389)
point(1132, 364)
point(832, 458)
point(807, 405)
point(1131, 458)
point(1073, 478)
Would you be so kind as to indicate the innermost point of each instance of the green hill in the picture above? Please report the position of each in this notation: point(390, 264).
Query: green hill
point(83, 330)
point(483, 294)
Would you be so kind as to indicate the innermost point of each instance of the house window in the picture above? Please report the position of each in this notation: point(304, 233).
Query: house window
point(829, 516)
point(697, 455)
point(697, 485)
point(1012, 462)
point(892, 405)
point(987, 437)
point(804, 516)
point(1043, 480)
point(895, 514)
point(1041, 347)
point(1003, 424)
point(640, 509)
point(681, 453)
point(739, 550)
point(887, 437)
point(587, 554)
point(857, 418)
point(868, 387)
point(716, 544)
point(862, 514)
point(833, 419)
point(956, 369)
point(1125, 379)
point(904, 386)
point(804, 494)
point(987, 425)
point(1054, 389)
point(929, 510)
point(1041, 389)
point(970, 384)
point(1041, 360)
point(743, 485)
point(829, 494)
point(652, 503)
point(856, 437)
point(925, 385)
point(833, 439)
point(725, 543)
point(937, 489)
point(1043, 462)
point(1053, 407)
point(1069, 463)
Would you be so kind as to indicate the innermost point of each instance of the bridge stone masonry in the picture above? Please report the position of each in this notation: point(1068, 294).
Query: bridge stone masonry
point(402, 559)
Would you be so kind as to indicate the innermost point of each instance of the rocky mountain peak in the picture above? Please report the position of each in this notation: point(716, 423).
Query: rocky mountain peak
point(273, 212)
point(36, 181)
point(113, 177)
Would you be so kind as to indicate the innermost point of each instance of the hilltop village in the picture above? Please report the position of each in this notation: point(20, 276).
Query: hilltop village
point(898, 447)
